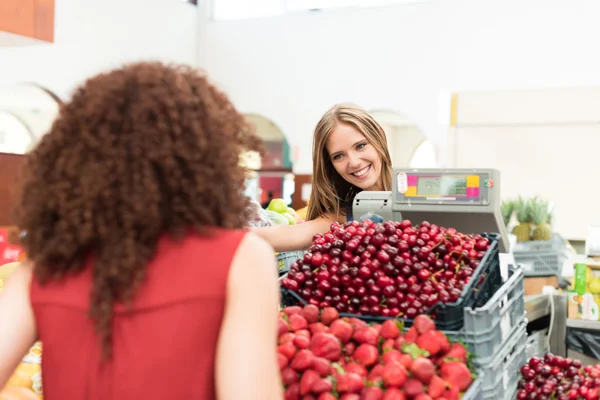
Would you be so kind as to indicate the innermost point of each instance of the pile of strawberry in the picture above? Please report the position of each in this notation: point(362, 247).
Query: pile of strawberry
point(325, 357)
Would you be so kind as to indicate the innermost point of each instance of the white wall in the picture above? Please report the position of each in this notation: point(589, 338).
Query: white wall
point(292, 68)
point(93, 35)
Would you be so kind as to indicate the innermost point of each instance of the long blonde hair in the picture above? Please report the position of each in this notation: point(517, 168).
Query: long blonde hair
point(329, 190)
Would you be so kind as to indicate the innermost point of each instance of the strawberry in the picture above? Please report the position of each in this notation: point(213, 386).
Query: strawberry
point(317, 327)
point(349, 348)
point(326, 345)
point(436, 387)
point(297, 322)
point(292, 392)
point(321, 365)
point(292, 310)
point(443, 341)
point(394, 375)
point(392, 356)
point(393, 394)
point(322, 385)
point(366, 355)
point(350, 396)
point(366, 335)
point(327, 396)
point(309, 397)
point(411, 335)
point(422, 369)
point(358, 324)
point(452, 393)
point(309, 377)
point(423, 323)
point(388, 345)
point(302, 360)
point(356, 368)
point(457, 352)
point(341, 329)
point(376, 373)
point(289, 376)
point(328, 315)
point(413, 388)
point(310, 312)
point(423, 396)
point(283, 327)
point(371, 393)
point(282, 361)
point(287, 349)
point(350, 382)
point(406, 360)
point(429, 341)
point(457, 375)
point(399, 342)
point(286, 337)
point(377, 328)
point(301, 342)
point(390, 329)
point(303, 332)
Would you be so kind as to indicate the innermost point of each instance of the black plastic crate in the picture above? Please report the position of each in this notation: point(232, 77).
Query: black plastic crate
point(485, 281)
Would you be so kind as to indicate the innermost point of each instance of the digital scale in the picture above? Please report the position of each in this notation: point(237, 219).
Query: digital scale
point(465, 199)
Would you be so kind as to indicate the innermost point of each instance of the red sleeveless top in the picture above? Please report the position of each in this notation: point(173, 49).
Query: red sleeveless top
point(163, 348)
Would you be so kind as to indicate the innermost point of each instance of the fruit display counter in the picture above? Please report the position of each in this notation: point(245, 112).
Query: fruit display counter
point(374, 278)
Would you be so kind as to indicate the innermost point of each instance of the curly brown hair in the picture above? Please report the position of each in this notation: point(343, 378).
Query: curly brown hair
point(138, 152)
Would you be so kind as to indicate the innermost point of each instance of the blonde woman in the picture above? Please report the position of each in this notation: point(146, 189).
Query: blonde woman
point(350, 154)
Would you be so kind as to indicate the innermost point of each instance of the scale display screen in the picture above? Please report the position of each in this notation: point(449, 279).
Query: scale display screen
point(445, 185)
point(459, 188)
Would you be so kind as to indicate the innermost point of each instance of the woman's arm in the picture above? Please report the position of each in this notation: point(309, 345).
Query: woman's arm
point(17, 322)
point(246, 364)
point(294, 237)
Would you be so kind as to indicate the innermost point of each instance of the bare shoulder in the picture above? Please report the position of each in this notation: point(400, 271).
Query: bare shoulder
point(254, 259)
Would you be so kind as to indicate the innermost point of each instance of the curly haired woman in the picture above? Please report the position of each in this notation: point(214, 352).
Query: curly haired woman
point(143, 282)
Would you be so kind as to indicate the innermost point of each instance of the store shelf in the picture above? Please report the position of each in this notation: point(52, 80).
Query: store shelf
point(582, 324)
point(537, 306)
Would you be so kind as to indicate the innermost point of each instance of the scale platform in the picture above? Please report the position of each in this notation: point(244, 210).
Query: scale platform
point(465, 199)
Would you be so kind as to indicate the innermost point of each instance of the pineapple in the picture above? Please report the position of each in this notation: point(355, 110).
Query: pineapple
point(507, 209)
point(524, 216)
point(542, 217)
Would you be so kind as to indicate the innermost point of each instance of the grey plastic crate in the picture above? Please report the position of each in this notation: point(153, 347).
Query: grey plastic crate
point(542, 258)
point(536, 343)
point(556, 243)
point(488, 327)
point(286, 259)
point(475, 390)
point(502, 373)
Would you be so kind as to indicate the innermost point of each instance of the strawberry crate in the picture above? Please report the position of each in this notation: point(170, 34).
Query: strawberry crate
point(501, 375)
point(484, 283)
point(488, 327)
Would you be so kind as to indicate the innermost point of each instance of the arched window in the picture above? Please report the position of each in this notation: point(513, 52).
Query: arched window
point(272, 176)
point(408, 146)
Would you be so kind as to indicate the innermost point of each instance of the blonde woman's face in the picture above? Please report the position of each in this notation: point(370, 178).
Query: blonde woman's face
point(354, 158)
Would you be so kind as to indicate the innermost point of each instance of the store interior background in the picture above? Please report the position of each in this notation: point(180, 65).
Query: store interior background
point(510, 85)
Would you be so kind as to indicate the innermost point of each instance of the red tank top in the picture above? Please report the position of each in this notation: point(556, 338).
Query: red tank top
point(164, 348)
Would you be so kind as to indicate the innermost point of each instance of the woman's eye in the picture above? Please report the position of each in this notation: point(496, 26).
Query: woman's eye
point(361, 146)
point(337, 157)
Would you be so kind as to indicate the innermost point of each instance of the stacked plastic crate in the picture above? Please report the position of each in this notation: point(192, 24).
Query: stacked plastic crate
point(497, 334)
point(542, 258)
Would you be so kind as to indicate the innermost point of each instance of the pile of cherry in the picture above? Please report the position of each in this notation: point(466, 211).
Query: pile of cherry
point(325, 357)
point(555, 377)
point(386, 269)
